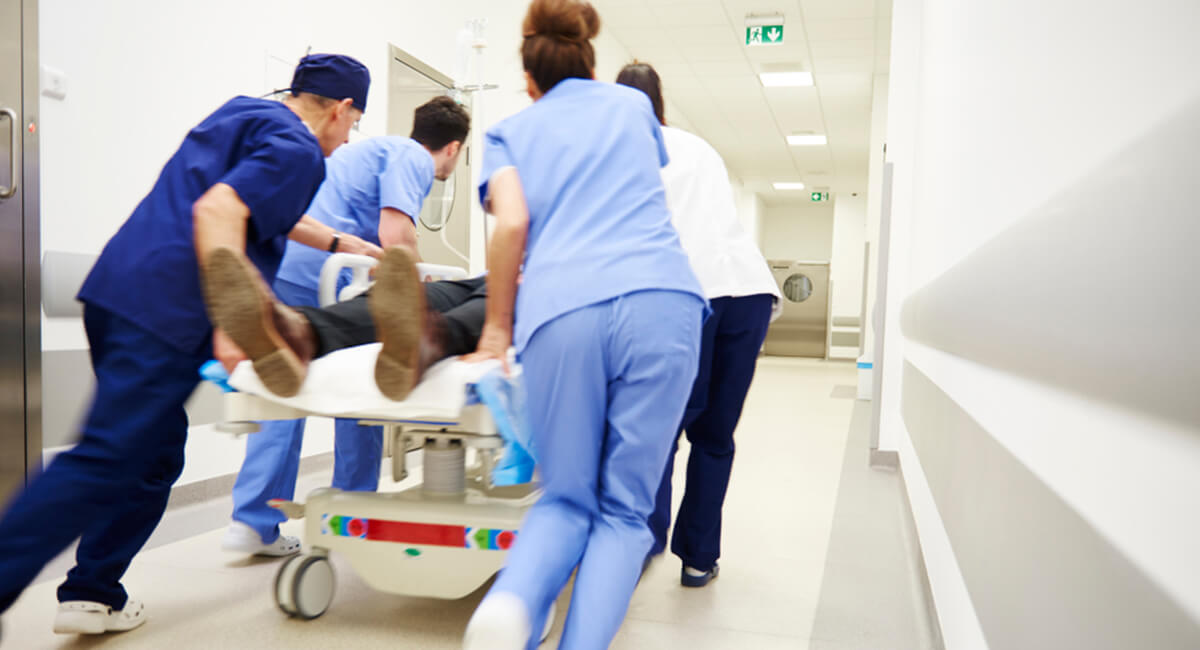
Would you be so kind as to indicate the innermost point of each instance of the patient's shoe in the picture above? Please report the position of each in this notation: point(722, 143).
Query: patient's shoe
point(88, 617)
point(241, 538)
point(398, 308)
point(277, 339)
point(501, 622)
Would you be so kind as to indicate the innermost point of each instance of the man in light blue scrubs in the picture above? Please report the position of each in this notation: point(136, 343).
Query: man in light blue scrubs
point(239, 182)
point(373, 191)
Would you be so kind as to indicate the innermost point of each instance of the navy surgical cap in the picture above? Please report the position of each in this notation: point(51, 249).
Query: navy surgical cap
point(335, 76)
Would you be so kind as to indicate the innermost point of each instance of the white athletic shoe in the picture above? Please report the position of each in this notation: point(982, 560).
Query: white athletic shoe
point(500, 623)
point(241, 538)
point(87, 617)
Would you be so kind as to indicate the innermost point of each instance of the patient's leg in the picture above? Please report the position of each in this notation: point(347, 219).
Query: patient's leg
point(275, 337)
point(462, 304)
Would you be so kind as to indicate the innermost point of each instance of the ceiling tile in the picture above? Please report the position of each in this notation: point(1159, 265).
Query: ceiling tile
point(840, 29)
point(701, 35)
point(858, 65)
point(844, 85)
point(693, 53)
point(742, 86)
point(736, 67)
point(691, 13)
point(842, 49)
point(827, 9)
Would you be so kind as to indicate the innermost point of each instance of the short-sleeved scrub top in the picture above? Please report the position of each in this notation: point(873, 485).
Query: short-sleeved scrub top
point(148, 272)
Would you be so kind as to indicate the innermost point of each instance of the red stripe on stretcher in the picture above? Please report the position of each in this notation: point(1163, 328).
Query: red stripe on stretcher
point(410, 533)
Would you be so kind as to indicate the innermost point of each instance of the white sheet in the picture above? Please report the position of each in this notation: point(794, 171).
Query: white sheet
point(343, 383)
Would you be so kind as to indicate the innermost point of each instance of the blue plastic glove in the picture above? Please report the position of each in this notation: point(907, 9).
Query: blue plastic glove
point(215, 372)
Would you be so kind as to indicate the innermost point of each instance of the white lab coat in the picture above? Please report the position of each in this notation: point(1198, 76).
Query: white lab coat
point(723, 256)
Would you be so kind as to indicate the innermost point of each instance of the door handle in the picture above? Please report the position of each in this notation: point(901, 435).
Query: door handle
point(14, 172)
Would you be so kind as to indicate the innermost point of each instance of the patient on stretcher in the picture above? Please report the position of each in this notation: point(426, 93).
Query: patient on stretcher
point(417, 323)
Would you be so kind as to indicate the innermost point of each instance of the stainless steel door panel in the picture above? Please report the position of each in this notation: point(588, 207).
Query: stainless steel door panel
point(12, 297)
point(20, 327)
point(802, 328)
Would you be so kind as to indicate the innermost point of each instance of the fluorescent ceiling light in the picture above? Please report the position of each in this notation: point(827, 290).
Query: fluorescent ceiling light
point(788, 185)
point(805, 140)
point(776, 79)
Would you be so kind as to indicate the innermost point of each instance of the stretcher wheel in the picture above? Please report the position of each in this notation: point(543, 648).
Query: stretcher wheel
point(549, 622)
point(304, 586)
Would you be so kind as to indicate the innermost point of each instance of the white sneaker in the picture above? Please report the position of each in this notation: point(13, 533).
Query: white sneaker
point(500, 623)
point(241, 538)
point(87, 617)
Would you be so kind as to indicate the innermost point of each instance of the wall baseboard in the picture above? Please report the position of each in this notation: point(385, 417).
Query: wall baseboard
point(887, 460)
point(220, 486)
point(916, 556)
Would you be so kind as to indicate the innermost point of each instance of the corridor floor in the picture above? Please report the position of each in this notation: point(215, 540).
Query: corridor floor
point(814, 557)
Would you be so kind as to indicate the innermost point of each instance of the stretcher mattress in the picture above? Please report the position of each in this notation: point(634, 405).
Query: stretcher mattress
point(342, 384)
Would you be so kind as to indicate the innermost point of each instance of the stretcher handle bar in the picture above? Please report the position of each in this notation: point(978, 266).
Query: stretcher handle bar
point(360, 266)
point(14, 161)
point(441, 272)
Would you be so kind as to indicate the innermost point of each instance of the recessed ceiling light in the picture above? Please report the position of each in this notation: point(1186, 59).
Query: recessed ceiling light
point(788, 185)
point(776, 79)
point(805, 140)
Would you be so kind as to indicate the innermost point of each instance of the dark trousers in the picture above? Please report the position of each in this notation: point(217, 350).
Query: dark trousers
point(463, 304)
point(112, 487)
point(732, 337)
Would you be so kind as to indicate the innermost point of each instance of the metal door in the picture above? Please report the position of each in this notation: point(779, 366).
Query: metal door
point(443, 227)
point(20, 324)
point(802, 329)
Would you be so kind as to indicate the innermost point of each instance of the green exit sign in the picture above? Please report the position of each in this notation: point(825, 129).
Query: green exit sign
point(764, 34)
point(820, 196)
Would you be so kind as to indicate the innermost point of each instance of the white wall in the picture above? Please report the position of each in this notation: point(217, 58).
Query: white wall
point(846, 261)
point(1042, 283)
point(798, 231)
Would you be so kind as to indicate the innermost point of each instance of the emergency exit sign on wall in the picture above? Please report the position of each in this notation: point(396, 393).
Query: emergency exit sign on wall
point(820, 196)
point(764, 30)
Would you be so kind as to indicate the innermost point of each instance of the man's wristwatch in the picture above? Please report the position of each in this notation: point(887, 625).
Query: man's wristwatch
point(333, 245)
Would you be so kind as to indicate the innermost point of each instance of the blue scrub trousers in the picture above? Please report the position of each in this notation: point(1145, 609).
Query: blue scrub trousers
point(273, 454)
point(112, 487)
point(733, 335)
point(607, 385)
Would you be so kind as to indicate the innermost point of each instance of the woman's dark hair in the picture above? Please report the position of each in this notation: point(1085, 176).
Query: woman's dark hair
point(643, 77)
point(440, 121)
point(557, 43)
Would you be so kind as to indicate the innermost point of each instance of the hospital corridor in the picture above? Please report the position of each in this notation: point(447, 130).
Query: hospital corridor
point(796, 577)
point(583, 324)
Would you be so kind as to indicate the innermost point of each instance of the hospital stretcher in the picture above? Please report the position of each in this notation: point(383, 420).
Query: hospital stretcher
point(443, 538)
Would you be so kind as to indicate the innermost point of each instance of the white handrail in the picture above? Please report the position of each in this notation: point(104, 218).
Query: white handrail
point(360, 266)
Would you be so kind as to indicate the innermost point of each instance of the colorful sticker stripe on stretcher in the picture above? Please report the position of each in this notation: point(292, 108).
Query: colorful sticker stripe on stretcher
point(409, 532)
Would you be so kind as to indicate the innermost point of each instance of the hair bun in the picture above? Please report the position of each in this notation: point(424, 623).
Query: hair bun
point(563, 20)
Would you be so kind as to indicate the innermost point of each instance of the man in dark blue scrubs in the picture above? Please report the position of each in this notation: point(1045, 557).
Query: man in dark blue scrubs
point(241, 180)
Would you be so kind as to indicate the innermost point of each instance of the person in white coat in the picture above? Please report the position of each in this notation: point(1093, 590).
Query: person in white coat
point(744, 298)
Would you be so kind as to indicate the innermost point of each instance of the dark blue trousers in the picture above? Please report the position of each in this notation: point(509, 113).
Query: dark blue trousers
point(111, 489)
point(732, 337)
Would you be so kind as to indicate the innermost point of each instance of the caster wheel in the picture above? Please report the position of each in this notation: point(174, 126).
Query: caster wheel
point(549, 622)
point(304, 586)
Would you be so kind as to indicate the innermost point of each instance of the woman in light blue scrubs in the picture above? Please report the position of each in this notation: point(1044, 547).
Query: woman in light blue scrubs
point(607, 327)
